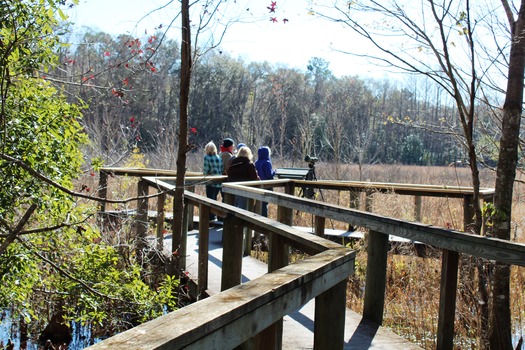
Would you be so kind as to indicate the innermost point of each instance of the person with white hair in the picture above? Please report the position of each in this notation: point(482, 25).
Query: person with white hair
point(212, 166)
point(241, 168)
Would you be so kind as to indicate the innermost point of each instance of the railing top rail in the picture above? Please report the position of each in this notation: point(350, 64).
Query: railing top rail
point(143, 172)
point(484, 247)
point(400, 188)
point(422, 189)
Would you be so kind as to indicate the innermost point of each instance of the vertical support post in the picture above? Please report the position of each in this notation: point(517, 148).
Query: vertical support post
point(231, 252)
point(102, 193)
point(183, 250)
point(141, 221)
point(258, 210)
point(189, 212)
point(319, 223)
point(369, 200)
point(467, 269)
point(161, 215)
point(354, 199)
point(468, 212)
point(229, 198)
point(248, 233)
point(176, 244)
point(204, 245)
point(329, 324)
point(417, 208)
point(354, 204)
point(447, 300)
point(375, 276)
point(278, 256)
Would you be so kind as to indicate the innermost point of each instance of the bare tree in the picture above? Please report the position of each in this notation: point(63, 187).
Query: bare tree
point(445, 42)
point(500, 328)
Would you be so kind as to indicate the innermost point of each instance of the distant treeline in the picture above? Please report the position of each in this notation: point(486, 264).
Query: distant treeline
point(131, 90)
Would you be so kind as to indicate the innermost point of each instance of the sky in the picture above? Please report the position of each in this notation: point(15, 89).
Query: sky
point(292, 42)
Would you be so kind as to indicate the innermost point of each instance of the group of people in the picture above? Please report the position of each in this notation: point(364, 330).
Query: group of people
point(237, 163)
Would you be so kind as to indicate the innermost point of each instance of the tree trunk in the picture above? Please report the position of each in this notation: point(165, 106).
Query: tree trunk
point(185, 75)
point(500, 329)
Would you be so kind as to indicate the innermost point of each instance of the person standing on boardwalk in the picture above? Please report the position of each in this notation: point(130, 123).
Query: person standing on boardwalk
point(226, 153)
point(242, 169)
point(265, 170)
point(212, 166)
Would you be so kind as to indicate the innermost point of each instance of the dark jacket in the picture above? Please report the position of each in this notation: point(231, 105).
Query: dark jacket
point(242, 169)
point(264, 164)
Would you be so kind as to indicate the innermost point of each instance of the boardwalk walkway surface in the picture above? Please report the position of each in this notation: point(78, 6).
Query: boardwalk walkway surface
point(298, 326)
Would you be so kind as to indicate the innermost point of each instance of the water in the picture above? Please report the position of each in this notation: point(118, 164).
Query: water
point(9, 330)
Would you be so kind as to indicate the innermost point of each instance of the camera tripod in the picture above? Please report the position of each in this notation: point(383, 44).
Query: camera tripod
point(308, 192)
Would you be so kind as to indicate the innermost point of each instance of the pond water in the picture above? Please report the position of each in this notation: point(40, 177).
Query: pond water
point(9, 330)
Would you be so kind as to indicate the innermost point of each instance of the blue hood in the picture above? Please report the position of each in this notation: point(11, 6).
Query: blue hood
point(263, 153)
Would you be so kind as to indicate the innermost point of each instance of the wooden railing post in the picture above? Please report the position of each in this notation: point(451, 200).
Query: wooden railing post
point(279, 250)
point(189, 212)
point(329, 319)
point(141, 220)
point(447, 299)
point(375, 284)
point(319, 223)
point(369, 200)
point(183, 248)
point(161, 215)
point(417, 208)
point(248, 233)
point(258, 210)
point(278, 256)
point(468, 212)
point(102, 193)
point(204, 242)
point(176, 245)
point(354, 198)
point(231, 252)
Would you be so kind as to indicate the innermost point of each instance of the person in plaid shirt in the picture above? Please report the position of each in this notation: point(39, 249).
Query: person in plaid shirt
point(212, 166)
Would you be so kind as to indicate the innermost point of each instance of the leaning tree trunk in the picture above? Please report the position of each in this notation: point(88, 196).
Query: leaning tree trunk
point(185, 75)
point(500, 328)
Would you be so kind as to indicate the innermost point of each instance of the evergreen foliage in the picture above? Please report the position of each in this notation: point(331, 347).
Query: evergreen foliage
point(52, 258)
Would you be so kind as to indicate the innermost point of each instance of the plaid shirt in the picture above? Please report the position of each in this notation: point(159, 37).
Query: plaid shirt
point(212, 166)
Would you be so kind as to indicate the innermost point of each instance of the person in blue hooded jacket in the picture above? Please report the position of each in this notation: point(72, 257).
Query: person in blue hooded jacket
point(265, 170)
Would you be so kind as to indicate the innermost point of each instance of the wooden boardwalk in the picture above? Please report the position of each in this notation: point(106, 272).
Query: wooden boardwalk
point(298, 326)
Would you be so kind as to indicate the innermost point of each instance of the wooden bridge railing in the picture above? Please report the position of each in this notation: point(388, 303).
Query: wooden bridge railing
point(451, 242)
point(252, 312)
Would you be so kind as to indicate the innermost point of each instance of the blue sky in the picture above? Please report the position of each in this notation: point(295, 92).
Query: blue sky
point(292, 43)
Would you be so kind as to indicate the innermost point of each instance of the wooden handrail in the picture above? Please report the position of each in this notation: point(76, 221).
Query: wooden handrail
point(236, 312)
point(451, 242)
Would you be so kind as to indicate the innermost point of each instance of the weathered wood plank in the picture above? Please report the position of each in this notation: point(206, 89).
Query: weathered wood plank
point(204, 241)
point(141, 220)
point(447, 300)
point(232, 253)
point(329, 326)
point(231, 317)
point(161, 201)
point(375, 284)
